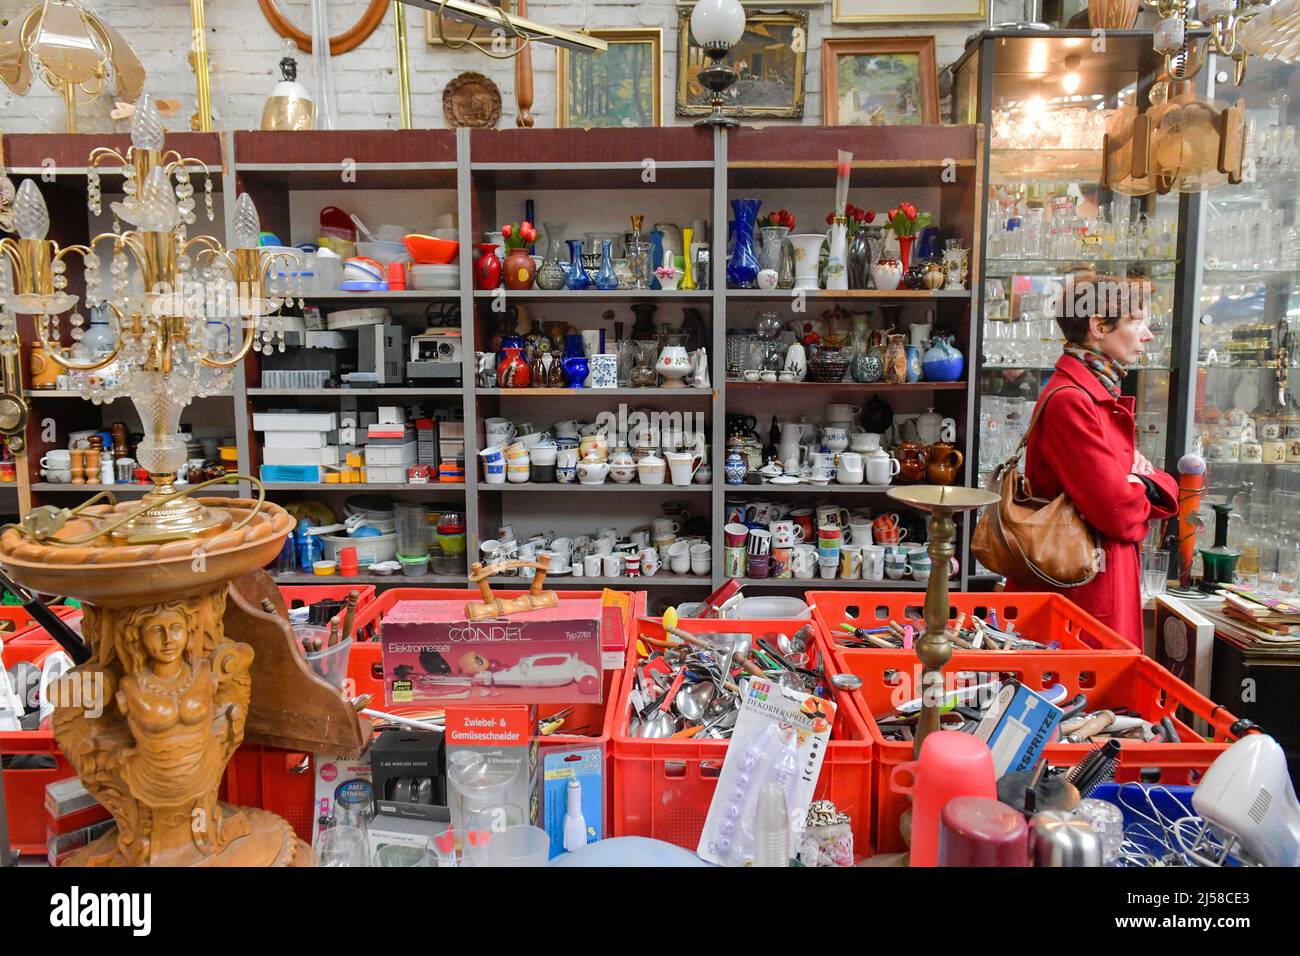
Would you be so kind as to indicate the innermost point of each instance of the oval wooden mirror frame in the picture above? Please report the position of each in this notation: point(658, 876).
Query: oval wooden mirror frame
point(349, 39)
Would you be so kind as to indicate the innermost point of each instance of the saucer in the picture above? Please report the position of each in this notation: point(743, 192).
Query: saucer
point(783, 480)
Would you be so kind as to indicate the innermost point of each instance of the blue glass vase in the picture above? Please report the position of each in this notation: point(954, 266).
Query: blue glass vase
point(576, 370)
point(656, 256)
point(576, 280)
point(742, 267)
point(606, 277)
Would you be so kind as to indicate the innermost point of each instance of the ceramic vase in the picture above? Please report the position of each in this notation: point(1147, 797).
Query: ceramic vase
point(734, 470)
point(513, 371)
point(896, 361)
point(807, 251)
point(905, 250)
point(519, 270)
point(577, 279)
point(742, 267)
point(487, 270)
point(576, 370)
point(942, 361)
point(837, 271)
point(674, 363)
point(913, 363)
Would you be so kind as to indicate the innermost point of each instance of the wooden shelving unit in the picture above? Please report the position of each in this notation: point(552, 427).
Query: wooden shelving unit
point(672, 173)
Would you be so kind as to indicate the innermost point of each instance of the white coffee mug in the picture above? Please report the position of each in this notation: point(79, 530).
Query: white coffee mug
point(873, 562)
point(803, 562)
point(860, 532)
point(591, 564)
point(665, 527)
point(499, 431)
point(612, 565)
point(786, 534)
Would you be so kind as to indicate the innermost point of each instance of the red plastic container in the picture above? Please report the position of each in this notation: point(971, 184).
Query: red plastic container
point(25, 629)
point(1039, 617)
point(281, 781)
point(298, 595)
point(1115, 680)
point(25, 789)
point(662, 788)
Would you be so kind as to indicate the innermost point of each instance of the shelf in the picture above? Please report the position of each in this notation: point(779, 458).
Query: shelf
point(608, 486)
point(779, 295)
point(1003, 268)
point(54, 393)
point(811, 489)
point(815, 584)
point(597, 295)
point(396, 580)
point(661, 579)
point(274, 486)
point(413, 392)
point(418, 295)
point(593, 392)
point(918, 387)
point(1044, 165)
point(1229, 276)
point(1051, 368)
point(45, 487)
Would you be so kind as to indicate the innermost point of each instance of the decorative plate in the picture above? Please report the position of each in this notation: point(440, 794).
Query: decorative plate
point(471, 99)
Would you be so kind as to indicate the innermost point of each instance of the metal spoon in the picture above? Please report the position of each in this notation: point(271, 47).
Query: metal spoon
point(659, 725)
point(691, 701)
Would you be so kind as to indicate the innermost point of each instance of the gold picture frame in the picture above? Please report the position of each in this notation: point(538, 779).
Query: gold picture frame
point(906, 11)
point(781, 75)
point(458, 30)
point(629, 37)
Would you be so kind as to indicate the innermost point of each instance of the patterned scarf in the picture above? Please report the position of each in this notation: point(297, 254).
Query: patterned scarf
point(1109, 372)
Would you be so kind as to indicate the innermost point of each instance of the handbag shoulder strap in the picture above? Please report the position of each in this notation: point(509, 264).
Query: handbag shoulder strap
point(1038, 412)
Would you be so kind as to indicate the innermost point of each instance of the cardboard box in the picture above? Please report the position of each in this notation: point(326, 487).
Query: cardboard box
point(431, 654)
point(408, 771)
point(334, 776)
point(295, 421)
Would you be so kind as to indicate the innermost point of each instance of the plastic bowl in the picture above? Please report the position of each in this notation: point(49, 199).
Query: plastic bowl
point(383, 250)
point(430, 249)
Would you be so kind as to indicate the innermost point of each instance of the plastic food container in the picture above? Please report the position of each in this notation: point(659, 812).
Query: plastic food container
point(382, 250)
point(370, 550)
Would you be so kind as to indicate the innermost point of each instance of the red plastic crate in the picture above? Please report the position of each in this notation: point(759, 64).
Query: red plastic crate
point(281, 781)
point(25, 789)
point(663, 788)
point(1040, 617)
point(26, 630)
point(1137, 683)
point(296, 595)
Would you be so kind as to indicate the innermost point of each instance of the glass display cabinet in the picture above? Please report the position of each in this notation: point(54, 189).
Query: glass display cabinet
point(1245, 412)
point(1045, 98)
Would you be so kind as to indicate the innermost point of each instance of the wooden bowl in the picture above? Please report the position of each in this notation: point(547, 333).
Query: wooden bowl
point(431, 250)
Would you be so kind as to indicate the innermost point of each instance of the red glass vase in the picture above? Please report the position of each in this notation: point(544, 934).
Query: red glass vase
point(905, 251)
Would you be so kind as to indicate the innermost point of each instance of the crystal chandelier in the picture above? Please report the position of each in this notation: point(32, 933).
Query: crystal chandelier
point(1236, 29)
point(182, 312)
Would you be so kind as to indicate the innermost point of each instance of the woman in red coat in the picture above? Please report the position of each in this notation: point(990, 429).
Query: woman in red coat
point(1083, 444)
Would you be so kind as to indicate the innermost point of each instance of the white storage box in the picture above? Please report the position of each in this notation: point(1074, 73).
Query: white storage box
point(295, 421)
point(328, 455)
point(402, 455)
point(299, 439)
point(385, 474)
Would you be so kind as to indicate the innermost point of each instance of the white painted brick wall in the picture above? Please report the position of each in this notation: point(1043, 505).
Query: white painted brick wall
point(245, 51)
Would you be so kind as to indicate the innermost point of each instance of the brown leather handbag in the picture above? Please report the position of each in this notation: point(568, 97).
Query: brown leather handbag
point(1026, 538)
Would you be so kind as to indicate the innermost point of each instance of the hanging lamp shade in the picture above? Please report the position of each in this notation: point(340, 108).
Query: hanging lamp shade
point(1126, 153)
point(1196, 143)
point(73, 50)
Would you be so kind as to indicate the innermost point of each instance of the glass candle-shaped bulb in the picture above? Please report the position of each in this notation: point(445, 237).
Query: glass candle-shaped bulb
point(31, 218)
point(248, 226)
point(147, 130)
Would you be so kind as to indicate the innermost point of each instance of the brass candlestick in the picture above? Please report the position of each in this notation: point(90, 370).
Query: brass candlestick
point(934, 649)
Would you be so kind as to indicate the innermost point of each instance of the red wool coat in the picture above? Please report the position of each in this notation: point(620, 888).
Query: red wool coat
point(1083, 444)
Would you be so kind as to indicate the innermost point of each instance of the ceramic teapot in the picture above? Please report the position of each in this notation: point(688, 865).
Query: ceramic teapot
point(912, 461)
point(945, 463)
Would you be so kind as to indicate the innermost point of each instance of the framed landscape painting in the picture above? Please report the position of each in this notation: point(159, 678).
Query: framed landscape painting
point(622, 87)
point(879, 81)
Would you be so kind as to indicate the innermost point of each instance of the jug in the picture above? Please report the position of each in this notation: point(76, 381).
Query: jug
point(912, 461)
point(683, 466)
point(945, 463)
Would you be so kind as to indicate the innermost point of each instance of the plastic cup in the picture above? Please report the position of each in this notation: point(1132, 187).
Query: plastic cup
point(519, 846)
point(332, 663)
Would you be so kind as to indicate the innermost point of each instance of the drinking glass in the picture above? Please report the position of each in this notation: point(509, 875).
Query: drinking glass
point(1155, 572)
point(344, 846)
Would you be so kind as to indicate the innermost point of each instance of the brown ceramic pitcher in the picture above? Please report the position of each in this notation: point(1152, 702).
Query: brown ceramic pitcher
point(945, 463)
point(912, 460)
